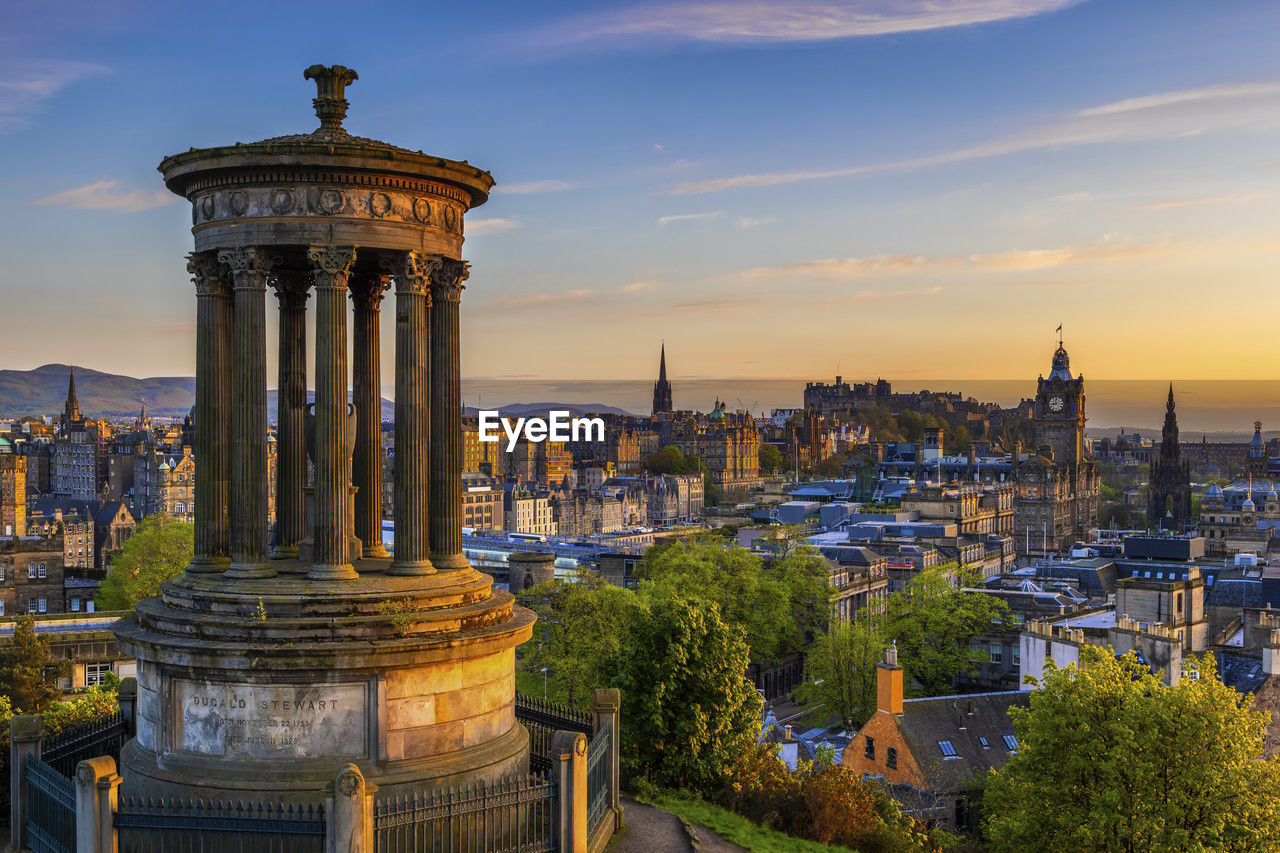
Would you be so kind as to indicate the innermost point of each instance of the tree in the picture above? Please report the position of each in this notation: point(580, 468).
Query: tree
point(932, 623)
point(27, 678)
point(749, 594)
point(842, 671)
point(807, 576)
point(770, 457)
point(688, 710)
point(160, 548)
point(668, 460)
point(580, 622)
point(1111, 758)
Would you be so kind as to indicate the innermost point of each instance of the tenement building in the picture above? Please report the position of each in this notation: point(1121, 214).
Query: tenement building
point(272, 665)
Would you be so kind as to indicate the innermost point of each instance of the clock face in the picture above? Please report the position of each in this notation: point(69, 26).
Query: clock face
point(1055, 403)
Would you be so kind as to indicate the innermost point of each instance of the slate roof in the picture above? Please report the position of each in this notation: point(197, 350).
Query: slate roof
point(1235, 592)
point(1095, 576)
point(1241, 672)
point(854, 555)
point(961, 721)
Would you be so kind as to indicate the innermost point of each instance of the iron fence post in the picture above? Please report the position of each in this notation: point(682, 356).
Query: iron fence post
point(25, 731)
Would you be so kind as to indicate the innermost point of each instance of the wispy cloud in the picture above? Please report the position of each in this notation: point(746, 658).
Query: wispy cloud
point(26, 87)
point(530, 187)
point(1163, 116)
point(664, 221)
point(1022, 260)
point(477, 227)
point(1196, 201)
point(745, 222)
point(637, 286)
point(530, 300)
point(864, 296)
point(758, 22)
point(109, 195)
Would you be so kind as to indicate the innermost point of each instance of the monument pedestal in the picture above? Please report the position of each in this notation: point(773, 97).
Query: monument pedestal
point(267, 688)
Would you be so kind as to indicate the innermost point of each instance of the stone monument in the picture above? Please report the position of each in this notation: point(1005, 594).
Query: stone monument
point(263, 670)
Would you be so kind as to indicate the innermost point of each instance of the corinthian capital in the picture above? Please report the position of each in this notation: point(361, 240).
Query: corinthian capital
point(367, 290)
point(208, 275)
point(249, 259)
point(447, 279)
point(332, 264)
point(292, 288)
point(412, 272)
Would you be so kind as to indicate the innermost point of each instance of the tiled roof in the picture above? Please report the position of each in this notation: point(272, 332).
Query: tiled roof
point(929, 725)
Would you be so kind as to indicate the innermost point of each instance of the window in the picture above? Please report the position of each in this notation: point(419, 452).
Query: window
point(43, 571)
point(31, 605)
point(997, 653)
point(93, 673)
point(1011, 742)
point(891, 758)
point(75, 605)
point(88, 606)
point(948, 751)
point(31, 571)
point(984, 743)
point(1017, 656)
point(871, 748)
point(44, 605)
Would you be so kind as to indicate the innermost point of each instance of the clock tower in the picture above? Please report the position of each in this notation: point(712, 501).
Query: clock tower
point(1059, 414)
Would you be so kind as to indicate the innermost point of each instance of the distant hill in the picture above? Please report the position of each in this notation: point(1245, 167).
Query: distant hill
point(43, 391)
point(575, 409)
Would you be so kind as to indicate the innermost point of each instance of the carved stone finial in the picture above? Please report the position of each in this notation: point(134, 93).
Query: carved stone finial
point(331, 84)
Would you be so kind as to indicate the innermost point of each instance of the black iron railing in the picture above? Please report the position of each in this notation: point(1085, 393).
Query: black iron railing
point(598, 778)
point(51, 808)
point(543, 719)
point(66, 749)
point(499, 817)
point(187, 826)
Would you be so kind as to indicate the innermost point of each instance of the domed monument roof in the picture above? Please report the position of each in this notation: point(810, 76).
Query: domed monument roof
point(326, 186)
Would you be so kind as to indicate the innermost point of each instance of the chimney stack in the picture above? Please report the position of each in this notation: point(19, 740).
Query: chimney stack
point(889, 682)
point(1271, 654)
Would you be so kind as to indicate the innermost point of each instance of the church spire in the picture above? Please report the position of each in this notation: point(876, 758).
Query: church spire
point(1169, 435)
point(662, 388)
point(71, 411)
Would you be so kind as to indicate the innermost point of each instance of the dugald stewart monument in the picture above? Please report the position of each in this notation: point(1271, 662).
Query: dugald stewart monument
point(269, 666)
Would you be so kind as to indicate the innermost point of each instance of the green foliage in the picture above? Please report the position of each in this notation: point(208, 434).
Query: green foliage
point(27, 678)
point(733, 827)
point(821, 801)
point(402, 613)
point(1110, 758)
point(669, 460)
point(770, 457)
point(749, 593)
point(932, 623)
point(160, 548)
point(688, 710)
point(93, 704)
point(581, 622)
point(842, 671)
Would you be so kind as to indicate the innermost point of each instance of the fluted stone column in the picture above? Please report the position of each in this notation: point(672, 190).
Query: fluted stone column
point(366, 387)
point(411, 465)
point(446, 417)
point(291, 402)
point(333, 525)
point(212, 450)
point(250, 267)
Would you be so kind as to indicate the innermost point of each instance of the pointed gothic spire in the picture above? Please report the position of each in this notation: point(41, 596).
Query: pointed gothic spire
point(71, 411)
point(662, 363)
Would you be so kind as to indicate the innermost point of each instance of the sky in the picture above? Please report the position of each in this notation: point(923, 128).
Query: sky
point(898, 188)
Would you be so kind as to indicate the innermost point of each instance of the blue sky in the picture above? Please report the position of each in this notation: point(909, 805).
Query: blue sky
point(907, 189)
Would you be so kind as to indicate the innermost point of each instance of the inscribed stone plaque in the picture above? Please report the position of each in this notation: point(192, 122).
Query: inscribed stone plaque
point(271, 721)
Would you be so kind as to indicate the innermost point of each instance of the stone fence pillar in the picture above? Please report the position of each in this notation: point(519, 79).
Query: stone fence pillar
point(349, 813)
point(25, 731)
point(606, 703)
point(127, 696)
point(96, 783)
point(569, 765)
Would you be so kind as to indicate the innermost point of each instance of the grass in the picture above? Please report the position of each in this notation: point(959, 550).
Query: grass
point(735, 828)
point(530, 684)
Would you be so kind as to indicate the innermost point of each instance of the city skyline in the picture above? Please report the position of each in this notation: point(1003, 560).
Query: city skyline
point(775, 190)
